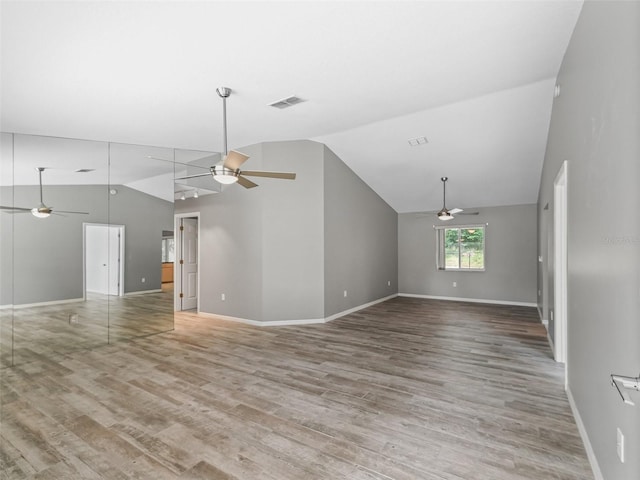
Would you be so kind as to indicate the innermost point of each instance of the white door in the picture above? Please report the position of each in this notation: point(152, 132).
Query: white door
point(103, 245)
point(189, 263)
point(97, 259)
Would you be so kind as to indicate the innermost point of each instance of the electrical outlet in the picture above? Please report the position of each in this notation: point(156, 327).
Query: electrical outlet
point(620, 444)
point(539, 293)
point(455, 284)
point(345, 293)
point(143, 280)
point(223, 297)
point(388, 283)
point(551, 314)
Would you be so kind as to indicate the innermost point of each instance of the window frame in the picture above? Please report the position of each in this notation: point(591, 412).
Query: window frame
point(441, 264)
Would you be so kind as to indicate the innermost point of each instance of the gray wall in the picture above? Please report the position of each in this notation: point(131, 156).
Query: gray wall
point(47, 254)
point(361, 241)
point(594, 126)
point(287, 249)
point(510, 262)
point(293, 246)
point(263, 247)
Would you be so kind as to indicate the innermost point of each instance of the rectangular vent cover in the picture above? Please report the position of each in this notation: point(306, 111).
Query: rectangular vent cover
point(287, 102)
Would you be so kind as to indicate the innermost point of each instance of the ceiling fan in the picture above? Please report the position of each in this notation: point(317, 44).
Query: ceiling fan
point(41, 211)
point(444, 213)
point(229, 172)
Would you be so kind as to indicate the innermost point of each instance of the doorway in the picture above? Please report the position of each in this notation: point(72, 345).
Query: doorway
point(103, 259)
point(186, 271)
point(560, 265)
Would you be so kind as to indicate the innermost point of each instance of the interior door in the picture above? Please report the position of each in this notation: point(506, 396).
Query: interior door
point(189, 263)
point(97, 259)
point(103, 259)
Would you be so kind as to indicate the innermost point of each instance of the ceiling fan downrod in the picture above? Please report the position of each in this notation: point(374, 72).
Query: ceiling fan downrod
point(224, 92)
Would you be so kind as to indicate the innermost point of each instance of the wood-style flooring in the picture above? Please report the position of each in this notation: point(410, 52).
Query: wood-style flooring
point(407, 389)
point(50, 331)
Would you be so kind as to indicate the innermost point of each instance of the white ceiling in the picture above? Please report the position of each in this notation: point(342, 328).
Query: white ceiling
point(476, 78)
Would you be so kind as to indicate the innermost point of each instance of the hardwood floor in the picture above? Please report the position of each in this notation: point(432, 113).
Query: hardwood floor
point(50, 331)
point(407, 389)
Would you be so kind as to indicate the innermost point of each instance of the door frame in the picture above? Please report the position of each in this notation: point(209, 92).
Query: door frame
point(121, 229)
point(177, 271)
point(560, 265)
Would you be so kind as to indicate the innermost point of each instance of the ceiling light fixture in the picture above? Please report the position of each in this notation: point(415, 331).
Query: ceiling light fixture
point(195, 194)
point(41, 212)
point(183, 197)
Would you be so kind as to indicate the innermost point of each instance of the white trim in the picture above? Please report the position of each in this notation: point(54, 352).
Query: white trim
point(304, 321)
point(593, 461)
point(42, 304)
point(472, 300)
point(258, 323)
point(355, 309)
point(143, 292)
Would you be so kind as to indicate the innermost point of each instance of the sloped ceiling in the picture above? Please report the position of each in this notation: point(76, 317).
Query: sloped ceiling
point(475, 78)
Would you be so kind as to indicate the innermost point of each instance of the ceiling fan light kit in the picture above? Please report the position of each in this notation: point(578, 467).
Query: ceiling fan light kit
point(224, 175)
point(41, 212)
point(229, 172)
point(444, 215)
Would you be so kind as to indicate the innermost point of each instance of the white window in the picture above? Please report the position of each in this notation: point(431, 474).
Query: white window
point(461, 248)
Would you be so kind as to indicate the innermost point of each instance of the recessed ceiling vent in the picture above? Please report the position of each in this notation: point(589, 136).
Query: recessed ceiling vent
point(286, 102)
point(414, 142)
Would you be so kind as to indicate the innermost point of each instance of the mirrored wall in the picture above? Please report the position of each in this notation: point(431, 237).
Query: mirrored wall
point(87, 230)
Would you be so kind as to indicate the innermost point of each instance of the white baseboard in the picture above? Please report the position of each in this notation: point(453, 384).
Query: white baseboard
point(41, 304)
point(593, 461)
point(143, 292)
point(472, 300)
point(304, 321)
point(355, 309)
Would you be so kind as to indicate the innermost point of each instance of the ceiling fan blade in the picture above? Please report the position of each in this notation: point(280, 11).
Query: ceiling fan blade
point(67, 211)
point(234, 160)
point(15, 209)
point(283, 175)
point(194, 176)
point(469, 213)
point(245, 182)
point(455, 210)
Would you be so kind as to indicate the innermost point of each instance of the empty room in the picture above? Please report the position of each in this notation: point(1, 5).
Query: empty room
point(390, 240)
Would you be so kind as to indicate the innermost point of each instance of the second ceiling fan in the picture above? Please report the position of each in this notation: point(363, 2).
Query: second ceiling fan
point(229, 172)
point(444, 213)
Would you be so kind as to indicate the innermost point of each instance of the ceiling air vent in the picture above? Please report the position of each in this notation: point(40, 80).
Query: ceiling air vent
point(286, 102)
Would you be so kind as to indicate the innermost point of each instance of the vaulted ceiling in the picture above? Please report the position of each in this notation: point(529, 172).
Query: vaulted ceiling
point(475, 78)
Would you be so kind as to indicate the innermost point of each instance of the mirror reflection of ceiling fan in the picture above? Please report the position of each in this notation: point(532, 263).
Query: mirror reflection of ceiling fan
point(41, 211)
point(229, 172)
point(446, 214)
